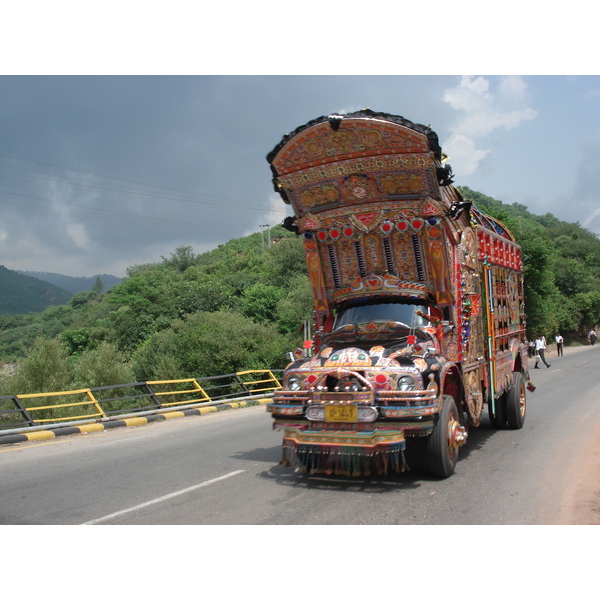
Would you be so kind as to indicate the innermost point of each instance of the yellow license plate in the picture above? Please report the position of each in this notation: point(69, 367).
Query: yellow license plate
point(341, 414)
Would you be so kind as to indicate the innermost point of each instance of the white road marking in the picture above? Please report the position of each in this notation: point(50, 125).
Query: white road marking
point(162, 498)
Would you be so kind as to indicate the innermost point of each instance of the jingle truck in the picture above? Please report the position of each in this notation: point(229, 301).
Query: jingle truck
point(418, 302)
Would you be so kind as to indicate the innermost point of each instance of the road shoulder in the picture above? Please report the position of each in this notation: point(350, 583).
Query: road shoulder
point(581, 501)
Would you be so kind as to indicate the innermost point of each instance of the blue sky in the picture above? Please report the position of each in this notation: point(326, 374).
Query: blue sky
point(108, 165)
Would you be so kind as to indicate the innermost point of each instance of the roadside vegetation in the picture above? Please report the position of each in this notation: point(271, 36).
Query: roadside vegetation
point(241, 306)
point(562, 269)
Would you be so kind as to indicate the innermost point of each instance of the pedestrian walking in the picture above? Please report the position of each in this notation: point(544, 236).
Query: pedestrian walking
point(531, 348)
point(592, 336)
point(559, 344)
point(540, 349)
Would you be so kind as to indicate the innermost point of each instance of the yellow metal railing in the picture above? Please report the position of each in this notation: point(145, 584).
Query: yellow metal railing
point(196, 389)
point(34, 409)
point(91, 401)
point(271, 380)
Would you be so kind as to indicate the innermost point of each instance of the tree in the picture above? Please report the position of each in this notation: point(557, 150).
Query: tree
point(588, 305)
point(45, 369)
point(83, 298)
point(259, 302)
point(181, 259)
point(104, 365)
point(77, 341)
point(206, 344)
point(285, 260)
point(98, 286)
point(296, 307)
point(540, 292)
point(571, 276)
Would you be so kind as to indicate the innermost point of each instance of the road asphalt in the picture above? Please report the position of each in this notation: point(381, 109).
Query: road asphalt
point(581, 503)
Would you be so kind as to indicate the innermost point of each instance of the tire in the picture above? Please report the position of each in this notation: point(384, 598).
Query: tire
point(498, 413)
point(442, 447)
point(516, 402)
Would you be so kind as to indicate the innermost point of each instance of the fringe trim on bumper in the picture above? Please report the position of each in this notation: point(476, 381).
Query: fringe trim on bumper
point(334, 455)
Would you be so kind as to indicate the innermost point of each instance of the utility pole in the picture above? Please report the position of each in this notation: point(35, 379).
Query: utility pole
point(262, 235)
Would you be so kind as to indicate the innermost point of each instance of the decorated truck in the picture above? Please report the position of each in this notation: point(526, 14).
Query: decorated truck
point(418, 302)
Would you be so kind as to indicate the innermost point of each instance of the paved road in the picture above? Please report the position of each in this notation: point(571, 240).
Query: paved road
point(223, 469)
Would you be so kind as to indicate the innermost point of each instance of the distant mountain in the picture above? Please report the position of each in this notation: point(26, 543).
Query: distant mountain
point(74, 284)
point(20, 294)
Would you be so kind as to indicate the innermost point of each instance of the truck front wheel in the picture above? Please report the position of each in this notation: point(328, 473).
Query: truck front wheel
point(516, 404)
point(442, 448)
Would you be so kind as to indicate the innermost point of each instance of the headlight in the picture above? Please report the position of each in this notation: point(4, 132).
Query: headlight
point(406, 383)
point(293, 383)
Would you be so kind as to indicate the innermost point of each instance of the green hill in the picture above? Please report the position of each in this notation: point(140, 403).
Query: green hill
point(20, 294)
point(74, 284)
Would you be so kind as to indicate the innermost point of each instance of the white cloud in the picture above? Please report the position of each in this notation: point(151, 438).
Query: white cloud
point(464, 157)
point(273, 215)
point(482, 112)
point(471, 95)
point(77, 233)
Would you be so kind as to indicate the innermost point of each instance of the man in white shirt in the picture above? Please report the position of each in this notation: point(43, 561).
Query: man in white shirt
point(540, 349)
point(559, 345)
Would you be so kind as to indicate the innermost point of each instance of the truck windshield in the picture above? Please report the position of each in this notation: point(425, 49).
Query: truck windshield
point(383, 311)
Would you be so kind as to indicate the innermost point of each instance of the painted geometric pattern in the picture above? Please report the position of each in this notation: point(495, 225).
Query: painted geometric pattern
point(359, 189)
point(354, 246)
point(319, 144)
point(379, 166)
point(365, 256)
point(367, 219)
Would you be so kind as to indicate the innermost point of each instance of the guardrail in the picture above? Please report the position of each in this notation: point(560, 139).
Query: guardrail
point(34, 410)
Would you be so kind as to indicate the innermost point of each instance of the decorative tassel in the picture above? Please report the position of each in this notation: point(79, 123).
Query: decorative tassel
point(342, 459)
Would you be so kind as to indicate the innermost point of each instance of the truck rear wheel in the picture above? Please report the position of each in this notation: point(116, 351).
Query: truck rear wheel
point(442, 448)
point(497, 411)
point(516, 403)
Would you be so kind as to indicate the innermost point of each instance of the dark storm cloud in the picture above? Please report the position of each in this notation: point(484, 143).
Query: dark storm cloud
point(120, 169)
point(99, 173)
